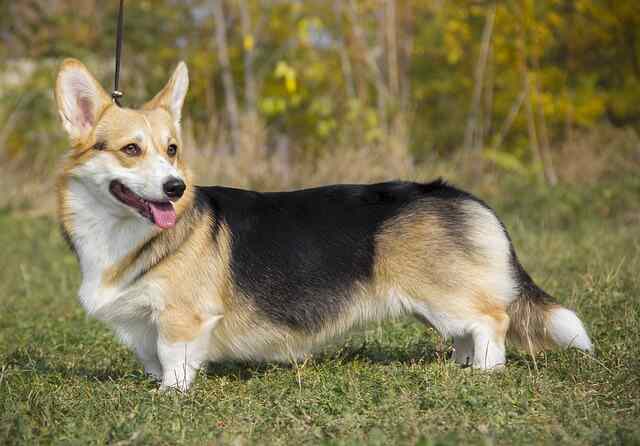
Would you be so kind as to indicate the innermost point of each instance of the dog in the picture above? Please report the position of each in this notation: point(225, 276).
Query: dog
point(186, 274)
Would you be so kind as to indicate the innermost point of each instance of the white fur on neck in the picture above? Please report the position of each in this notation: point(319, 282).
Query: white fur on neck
point(102, 237)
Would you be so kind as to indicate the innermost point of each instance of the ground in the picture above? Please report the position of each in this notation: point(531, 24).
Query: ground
point(65, 379)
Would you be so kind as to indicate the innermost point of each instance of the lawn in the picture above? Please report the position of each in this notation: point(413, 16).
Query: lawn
point(65, 380)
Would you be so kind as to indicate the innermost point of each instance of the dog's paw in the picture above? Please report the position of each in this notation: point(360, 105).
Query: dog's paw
point(181, 389)
point(175, 383)
point(153, 371)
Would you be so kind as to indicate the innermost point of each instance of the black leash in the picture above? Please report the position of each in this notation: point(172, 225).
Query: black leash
point(117, 94)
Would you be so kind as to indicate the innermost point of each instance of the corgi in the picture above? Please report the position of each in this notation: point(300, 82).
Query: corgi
point(186, 274)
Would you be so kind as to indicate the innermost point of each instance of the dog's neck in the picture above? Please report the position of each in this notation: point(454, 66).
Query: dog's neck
point(113, 250)
point(100, 237)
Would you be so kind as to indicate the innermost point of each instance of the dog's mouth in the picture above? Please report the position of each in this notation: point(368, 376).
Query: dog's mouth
point(160, 213)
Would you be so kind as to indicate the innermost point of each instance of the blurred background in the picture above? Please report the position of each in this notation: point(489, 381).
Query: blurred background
point(287, 94)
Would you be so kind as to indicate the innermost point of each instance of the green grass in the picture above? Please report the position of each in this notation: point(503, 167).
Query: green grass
point(65, 380)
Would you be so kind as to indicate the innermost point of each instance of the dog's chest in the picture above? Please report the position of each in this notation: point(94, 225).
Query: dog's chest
point(115, 304)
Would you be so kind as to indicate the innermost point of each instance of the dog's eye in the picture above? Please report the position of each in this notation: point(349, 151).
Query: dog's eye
point(172, 150)
point(132, 150)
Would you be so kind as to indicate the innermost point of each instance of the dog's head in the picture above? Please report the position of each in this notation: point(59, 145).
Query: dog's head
point(131, 161)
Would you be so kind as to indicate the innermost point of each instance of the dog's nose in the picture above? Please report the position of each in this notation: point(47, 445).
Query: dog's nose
point(174, 188)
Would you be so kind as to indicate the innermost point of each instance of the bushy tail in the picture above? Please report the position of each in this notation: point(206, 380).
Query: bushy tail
point(537, 322)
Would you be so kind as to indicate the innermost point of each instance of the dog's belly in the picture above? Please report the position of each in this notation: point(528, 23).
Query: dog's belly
point(249, 335)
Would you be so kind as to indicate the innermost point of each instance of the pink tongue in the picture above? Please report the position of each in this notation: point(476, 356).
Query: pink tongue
point(163, 214)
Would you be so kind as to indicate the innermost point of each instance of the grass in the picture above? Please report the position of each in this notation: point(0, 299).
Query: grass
point(64, 379)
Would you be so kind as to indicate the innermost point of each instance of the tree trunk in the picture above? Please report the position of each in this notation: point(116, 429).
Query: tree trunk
point(345, 61)
point(227, 78)
point(370, 59)
point(545, 149)
point(511, 117)
point(471, 134)
point(249, 55)
point(540, 153)
point(531, 123)
point(392, 48)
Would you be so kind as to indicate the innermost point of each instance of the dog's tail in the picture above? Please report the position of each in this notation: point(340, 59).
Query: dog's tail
point(538, 322)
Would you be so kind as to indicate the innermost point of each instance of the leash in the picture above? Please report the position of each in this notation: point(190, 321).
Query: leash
point(116, 94)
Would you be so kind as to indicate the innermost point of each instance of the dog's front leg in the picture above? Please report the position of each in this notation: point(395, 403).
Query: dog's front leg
point(181, 359)
point(149, 356)
point(142, 338)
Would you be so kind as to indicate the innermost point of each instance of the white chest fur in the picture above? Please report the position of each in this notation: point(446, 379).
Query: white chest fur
point(102, 239)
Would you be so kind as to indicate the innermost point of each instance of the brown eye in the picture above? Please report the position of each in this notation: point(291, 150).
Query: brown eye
point(172, 150)
point(132, 150)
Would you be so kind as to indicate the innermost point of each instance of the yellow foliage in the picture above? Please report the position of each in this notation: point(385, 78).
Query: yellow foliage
point(506, 161)
point(271, 106)
point(248, 42)
point(285, 71)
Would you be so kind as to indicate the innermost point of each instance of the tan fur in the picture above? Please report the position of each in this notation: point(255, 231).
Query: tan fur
point(416, 255)
point(243, 327)
point(161, 99)
point(150, 252)
point(196, 279)
point(528, 325)
point(119, 124)
point(410, 248)
point(63, 207)
point(488, 307)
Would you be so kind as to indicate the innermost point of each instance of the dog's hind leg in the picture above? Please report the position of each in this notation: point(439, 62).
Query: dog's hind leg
point(478, 330)
point(489, 336)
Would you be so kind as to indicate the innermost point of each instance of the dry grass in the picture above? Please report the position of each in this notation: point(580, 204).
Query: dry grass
point(588, 158)
point(27, 187)
point(596, 154)
point(255, 166)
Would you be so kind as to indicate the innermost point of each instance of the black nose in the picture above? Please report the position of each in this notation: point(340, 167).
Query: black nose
point(174, 188)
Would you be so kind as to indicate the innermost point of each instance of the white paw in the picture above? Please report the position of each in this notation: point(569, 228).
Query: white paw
point(181, 387)
point(490, 362)
point(154, 372)
point(462, 357)
point(178, 379)
point(463, 350)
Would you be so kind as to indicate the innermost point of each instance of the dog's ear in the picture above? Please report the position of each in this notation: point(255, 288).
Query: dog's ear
point(172, 95)
point(80, 99)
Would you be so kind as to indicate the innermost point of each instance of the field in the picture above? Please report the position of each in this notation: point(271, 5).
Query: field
point(65, 380)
